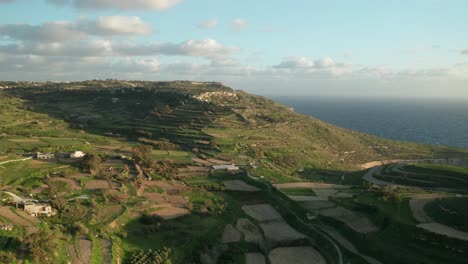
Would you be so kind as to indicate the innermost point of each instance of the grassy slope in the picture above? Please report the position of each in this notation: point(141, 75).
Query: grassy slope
point(248, 128)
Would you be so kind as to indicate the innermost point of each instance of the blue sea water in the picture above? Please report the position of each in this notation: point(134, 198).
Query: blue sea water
point(431, 121)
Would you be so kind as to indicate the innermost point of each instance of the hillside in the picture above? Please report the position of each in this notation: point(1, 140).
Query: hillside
point(207, 117)
point(188, 172)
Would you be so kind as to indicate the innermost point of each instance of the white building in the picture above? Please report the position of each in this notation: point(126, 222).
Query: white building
point(44, 156)
point(77, 154)
point(38, 209)
point(228, 167)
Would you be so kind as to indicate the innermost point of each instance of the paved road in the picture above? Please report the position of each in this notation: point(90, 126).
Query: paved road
point(16, 198)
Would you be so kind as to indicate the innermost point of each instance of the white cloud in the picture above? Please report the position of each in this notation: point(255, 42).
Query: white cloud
point(117, 25)
point(59, 31)
point(239, 24)
point(119, 4)
point(47, 32)
point(296, 63)
point(212, 23)
point(208, 48)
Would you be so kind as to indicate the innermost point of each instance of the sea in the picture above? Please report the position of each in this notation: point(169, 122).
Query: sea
point(442, 122)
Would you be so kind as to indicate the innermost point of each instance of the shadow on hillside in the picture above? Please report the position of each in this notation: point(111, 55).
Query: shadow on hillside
point(165, 119)
point(333, 176)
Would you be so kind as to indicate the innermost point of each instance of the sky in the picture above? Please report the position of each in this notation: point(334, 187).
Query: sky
point(372, 48)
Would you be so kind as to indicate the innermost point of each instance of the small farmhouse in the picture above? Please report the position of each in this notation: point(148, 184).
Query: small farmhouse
point(228, 167)
point(44, 156)
point(38, 209)
point(77, 154)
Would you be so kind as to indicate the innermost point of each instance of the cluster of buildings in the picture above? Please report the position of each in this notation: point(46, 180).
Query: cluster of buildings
point(46, 156)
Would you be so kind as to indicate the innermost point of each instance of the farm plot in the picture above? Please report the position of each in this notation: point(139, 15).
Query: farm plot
point(355, 221)
point(249, 230)
point(155, 197)
point(71, 185)
point(177, 200)
point(17, 220)
point(202, 162)
point(230, 235)
point(301, 198)
point(277, 232)
point(84, 250)
point(296, 255)
point(417, 204)
point(72, 254)
point(254, 258)
point(170, 188)
point(108, 213)
point(238, 185)
point(313, 185)
point(317, 205)
point(444, 230)
point(106, 250)
point(97, 185)
point(168, 212)
point(262, 212)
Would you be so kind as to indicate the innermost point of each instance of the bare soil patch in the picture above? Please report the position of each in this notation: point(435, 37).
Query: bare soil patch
point(155, 197)
point(85, 248)
point(177, 200)
point(168, 212)
point(277, 232)
point(97, 185)
point(230, 235)
point(262, 212)
point(296, 255)
point(202, 162)
point(13, 218)
point(28, 217)
point(254, 258)
point(444, 230)
point(72, 254)
point(106, 250)
point(238, 185)
point(355, 221)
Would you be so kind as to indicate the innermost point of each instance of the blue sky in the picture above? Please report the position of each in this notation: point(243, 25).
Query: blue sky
point(345, 48)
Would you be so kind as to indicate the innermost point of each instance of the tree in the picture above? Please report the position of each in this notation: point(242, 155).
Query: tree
point(143, 156)
point(40, 244)
point(91, 163)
